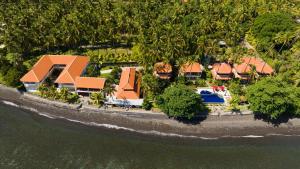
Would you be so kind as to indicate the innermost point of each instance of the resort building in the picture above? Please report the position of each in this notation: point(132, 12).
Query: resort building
point(65, 71)
point(163, 70)
point(262, 68)
point(222, 71)
point(86, 85)
point(128, 91)
point(191, 70)
point(242, 71)
point(129, 86)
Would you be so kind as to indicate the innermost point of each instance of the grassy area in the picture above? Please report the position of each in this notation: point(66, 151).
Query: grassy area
point(105, 75)
point(243, 107)
point(106, 51)
point(110, 55)
point(107, 67)
point(113, 51)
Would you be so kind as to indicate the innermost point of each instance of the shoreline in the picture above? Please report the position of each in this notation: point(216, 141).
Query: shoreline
point(151, 123)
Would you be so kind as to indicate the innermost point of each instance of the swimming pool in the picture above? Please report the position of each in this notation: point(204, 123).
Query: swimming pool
point(211, 98)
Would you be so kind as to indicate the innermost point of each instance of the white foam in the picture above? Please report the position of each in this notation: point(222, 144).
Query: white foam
point(284, 135)
point(10, 103)
point(46, 115)
point(153, 132)
point(252, 136)
point(30, 109)
point(246, 136)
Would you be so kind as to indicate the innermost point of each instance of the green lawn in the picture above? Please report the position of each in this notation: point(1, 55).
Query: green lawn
point(105, 75)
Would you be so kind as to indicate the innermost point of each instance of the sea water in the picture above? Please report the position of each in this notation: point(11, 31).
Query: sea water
point(31, 141)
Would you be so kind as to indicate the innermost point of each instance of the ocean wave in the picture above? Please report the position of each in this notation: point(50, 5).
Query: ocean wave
point(252, 136)
point(246, 136)
point(152, 132)
point(10, 103)
point(284, 135)
point(30, 109)
point(46, 115)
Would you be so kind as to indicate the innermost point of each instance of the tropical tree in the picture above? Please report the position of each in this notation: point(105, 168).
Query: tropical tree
point(73, 98)
point(253, 74)
point(109, 89)
point(97, 98)
point(234, 102)
point(63, 94)
point(43, 90)
point(147, 103)
point(267, 26)
point(181, 102)
point(273, 98)
point(53, 93)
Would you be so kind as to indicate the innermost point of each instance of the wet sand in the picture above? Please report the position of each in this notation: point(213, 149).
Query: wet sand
point(155, 123)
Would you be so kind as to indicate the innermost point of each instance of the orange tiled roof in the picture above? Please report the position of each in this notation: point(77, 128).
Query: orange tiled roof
point(222, 68)
point(38, 71)
point(162, 67)
point(221, 77)
point(193, 67)
point(261, 66)
point(264, 68)
point(242, 68)
point(129, 86)
point(127, 79)
point(74, 66)
point(89, 82)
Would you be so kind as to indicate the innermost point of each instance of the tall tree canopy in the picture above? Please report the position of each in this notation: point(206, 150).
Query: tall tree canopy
point(179, 101)
point(268, 25)
point(273, 97)
point(165, 30)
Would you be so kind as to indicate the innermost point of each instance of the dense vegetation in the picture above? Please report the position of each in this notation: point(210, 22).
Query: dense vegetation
point(97, 98)
point(181, 102)
point(273, 98)
point(63, 94)
point(151, 31)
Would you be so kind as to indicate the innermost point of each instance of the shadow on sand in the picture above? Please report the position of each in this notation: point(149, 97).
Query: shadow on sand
point(196, 120)
point(275, 122)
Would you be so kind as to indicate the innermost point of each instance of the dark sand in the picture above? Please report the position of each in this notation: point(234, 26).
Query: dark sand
point(212, 126)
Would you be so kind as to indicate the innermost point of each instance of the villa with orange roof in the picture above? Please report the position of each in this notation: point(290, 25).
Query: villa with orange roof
point(242, 71)
point(191, 70)
point(222, 71)
point(72, 67)
point(262, 68)
point(128, 92)
point(89, 84)
point(163, 70)
point(129, 86)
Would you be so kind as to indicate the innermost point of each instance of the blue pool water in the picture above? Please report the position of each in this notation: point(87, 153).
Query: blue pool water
point(209, 97)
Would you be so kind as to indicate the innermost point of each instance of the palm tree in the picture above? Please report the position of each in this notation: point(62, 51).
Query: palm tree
point(109, 89)
point(97, 98)
point(43, 90)
point(284, 39)
point(252, 73)
point(53, 94)
point(63, 94)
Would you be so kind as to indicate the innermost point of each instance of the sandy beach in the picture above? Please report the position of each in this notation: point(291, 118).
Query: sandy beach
point(143, 122)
